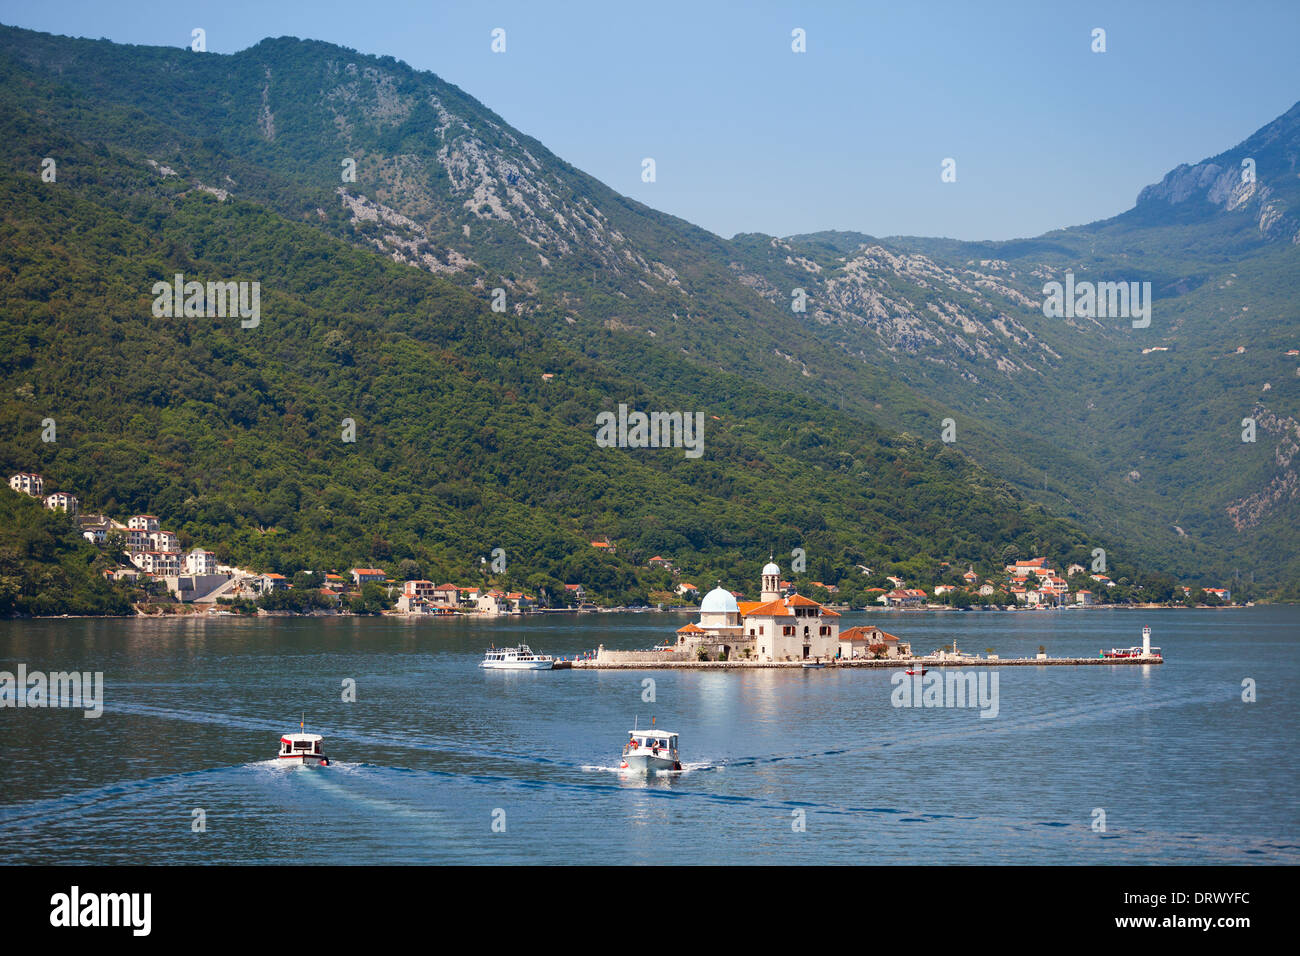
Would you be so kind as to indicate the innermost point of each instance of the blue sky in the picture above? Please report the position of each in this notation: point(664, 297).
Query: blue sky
point(748, 136)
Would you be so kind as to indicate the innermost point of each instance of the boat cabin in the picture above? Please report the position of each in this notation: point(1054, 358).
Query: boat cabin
point(300, 745)
point(652, 740)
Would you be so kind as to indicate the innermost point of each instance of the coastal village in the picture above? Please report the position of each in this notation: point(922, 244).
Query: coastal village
point(150, 556)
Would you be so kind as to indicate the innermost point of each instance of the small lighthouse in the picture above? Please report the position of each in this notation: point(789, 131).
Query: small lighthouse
point(1146, 642)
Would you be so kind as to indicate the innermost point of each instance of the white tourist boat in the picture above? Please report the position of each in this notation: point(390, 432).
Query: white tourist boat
point(649, 751)
point(1145, 651)
point(303, 748)
point(519, 658)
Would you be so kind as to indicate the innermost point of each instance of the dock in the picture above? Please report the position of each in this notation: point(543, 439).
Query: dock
point(887, 663)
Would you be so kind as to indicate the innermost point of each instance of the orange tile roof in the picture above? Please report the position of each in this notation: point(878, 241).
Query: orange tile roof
point(690, 629)
point(864, 633)
point(780, 607)
point(765, 609)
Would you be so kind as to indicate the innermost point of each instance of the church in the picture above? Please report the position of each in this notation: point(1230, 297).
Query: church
point(773, 628)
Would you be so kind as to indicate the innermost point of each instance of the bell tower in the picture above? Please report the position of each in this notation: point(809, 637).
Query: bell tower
point(771, 582)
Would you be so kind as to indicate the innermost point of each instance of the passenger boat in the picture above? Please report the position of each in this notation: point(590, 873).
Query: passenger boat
point(922, 671)
point(1123, 653)
point(519, 658)
point(303, 748)
point(649, 751)
point(1120, 653)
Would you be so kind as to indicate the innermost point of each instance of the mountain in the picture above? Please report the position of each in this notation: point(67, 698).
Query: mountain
point(474, 430)
point(898, 334)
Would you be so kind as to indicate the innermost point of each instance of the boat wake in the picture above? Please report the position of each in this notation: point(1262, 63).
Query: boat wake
point(687, 767)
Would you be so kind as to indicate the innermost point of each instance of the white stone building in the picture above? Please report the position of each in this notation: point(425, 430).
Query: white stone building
point(28, 484)
point(158, 563)
point(773, 628)
point(199, 561)
point(164, 541)
point(62, 501)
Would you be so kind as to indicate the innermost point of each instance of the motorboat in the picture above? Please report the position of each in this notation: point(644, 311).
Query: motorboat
point(1124, 653)
point(303, 748)
point(649, 751)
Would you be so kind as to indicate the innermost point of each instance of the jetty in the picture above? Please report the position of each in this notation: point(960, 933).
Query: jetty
point(647, 662)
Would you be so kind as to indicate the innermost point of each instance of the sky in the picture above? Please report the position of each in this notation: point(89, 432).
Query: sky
point(749, 136)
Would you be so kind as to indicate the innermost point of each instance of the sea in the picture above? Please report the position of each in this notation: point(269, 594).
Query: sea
point(435, 760)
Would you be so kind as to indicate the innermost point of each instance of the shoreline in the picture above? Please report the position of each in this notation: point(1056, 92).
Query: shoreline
point(205, 614)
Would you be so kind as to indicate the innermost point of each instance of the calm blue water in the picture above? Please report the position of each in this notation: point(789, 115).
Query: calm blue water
point(433, 746)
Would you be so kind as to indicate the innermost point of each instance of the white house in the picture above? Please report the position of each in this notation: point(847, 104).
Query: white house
point(200, 562)
point(164, 541)
point(158, 563)
point(1038, 566)
point(143, 522)
point(492, 602)
point(62, 501)
point(28, 484)
point(265, 583)
point(422, 590)
point(903, 597)
point(518, 602)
